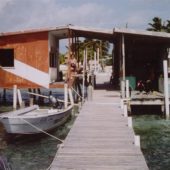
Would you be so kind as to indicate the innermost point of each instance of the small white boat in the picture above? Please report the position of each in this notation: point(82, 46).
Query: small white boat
point(33, 120)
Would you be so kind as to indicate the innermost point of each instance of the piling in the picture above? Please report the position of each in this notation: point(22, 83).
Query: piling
point(166, 91)
point(14, 97)
point(65, 95)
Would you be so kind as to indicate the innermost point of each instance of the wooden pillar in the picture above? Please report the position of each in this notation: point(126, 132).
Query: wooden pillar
point(127, 88)
point(123, 89)
point(90, 93)
point(98, 57)
point(123, 57)
point(95, 61)
point(85, 59)
point(125, 110)
point(130, 124)
point(14, 97)
point(65, 95)
point(4, 96)
point(19, 97)
point(166, 91)
point(31, 100)
point(137, 140)
point(116, 61)
point(83, 88)
point(71, 96)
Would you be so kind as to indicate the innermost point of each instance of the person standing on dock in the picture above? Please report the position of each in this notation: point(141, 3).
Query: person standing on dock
point(72, 68)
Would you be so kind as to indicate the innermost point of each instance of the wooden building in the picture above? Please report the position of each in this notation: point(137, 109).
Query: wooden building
point(139, 55)
point(30, 59)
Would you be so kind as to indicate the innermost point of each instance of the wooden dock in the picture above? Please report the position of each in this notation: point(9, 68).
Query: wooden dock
point(100, 138)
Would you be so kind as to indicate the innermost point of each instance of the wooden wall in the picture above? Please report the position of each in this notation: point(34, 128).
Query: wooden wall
point(30, 49)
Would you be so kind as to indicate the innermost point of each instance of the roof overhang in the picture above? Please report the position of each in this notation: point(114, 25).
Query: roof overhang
point(142, 36)
point(110, 35)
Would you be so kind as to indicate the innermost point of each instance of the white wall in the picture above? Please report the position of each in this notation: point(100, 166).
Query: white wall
point(54, 43)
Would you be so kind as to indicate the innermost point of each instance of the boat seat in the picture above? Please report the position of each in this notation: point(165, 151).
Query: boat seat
point(21, 111)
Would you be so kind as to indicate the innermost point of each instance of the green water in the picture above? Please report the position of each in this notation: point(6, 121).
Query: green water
point(32, 152)
point(155, 140)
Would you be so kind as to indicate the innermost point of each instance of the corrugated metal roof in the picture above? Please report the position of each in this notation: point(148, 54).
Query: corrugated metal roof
point(141, 32)
point(62, 32)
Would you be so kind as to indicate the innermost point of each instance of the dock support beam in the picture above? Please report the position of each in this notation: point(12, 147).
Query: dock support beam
point(65, 95)
point(137, 140)
point(14, 97)
point(19, 98)
point(130, 124)
point(123, 89)
point(71, 96)
point(127, 88)
point(90, 93)
point(166, 91)
point(125, 110)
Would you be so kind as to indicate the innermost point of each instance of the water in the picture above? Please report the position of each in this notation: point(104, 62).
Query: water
point(155, 140)
point(36, 152)
point(32, 152)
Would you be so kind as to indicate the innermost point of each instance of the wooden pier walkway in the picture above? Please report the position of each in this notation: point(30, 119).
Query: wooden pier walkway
point(100, 138)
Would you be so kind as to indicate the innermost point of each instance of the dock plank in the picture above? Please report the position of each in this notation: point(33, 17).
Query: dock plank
point(100, 139)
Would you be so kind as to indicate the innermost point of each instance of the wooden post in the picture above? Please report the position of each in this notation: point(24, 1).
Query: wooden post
point(130, 124)
point(83, 88)
point(31, 99)
point(71, 96)
point(85, 58)
point(65, 95)
point(123, 56)
point(19, 97)
point(166, 91)
point(137, 140)
point(4, 95)
point(90, 93)
point(95, 61)
point(127, 88)
point(125, 110)
point(98, 57)
point(121, 103)
point(123, 89)
point(14, 97)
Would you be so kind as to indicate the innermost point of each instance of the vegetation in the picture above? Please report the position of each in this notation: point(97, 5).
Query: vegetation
point(91, 45)
point(62, 58)
point(159, 25)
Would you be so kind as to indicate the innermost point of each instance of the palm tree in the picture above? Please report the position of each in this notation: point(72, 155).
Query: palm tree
point(91, 45)
point(156, 25)
point(168, 26)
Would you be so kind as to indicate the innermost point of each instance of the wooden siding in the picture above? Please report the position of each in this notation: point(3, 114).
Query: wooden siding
point(7, 80)
point(30, 49)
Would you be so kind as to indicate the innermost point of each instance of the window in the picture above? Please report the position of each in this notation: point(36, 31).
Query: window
point(7, 57)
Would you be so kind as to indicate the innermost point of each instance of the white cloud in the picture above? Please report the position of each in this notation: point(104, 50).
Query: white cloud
point(26, 14)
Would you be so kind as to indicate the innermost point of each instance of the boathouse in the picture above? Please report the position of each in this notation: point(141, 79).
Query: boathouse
point(139, 55)
point(30, 59)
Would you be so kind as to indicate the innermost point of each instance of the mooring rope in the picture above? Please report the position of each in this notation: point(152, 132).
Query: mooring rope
point(42, 130)
point(47, 97)
point(76, 92)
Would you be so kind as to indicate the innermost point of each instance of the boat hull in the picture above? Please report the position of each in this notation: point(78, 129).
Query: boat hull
point(33, 125)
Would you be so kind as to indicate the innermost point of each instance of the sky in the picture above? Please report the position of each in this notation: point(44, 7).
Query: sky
point(16, 15)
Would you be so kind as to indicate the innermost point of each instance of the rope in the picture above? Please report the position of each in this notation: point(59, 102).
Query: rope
point(42, 130)
point(76, 92)
point(40, 95)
